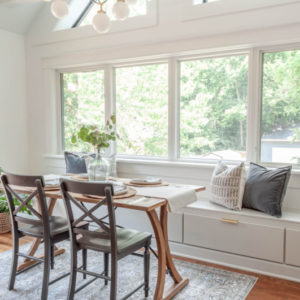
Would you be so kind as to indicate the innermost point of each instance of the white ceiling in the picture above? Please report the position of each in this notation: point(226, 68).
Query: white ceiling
point(16, 16)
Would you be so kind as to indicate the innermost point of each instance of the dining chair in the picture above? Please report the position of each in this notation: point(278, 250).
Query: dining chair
point(114, 242)
point(36, 223)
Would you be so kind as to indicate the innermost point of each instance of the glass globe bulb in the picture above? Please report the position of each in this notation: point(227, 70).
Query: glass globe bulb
point(120, 10)
point(101, 22)
point(59, 8)
point(131, 2)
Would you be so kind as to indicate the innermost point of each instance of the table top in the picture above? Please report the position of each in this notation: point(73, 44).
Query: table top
point(136, 202)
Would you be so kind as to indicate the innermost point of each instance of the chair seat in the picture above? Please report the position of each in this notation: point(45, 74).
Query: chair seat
point(58, 225)
point(128, 240)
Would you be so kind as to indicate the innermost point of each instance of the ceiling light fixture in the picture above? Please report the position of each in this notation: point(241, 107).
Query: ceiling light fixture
point(101, 22)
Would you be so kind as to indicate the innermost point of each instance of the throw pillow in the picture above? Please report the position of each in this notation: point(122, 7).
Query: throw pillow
point(227, 185)
point(265, 189)
point(75, 162)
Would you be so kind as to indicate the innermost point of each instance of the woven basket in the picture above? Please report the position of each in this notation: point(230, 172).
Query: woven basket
point(4, 222)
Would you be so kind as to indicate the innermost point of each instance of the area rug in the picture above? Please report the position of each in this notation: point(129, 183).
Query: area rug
point(206, 283)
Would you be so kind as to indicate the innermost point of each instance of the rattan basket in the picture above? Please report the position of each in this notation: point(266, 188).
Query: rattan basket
point(4, 222)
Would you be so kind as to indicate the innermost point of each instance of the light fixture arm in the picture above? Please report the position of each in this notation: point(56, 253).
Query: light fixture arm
point(100, 3)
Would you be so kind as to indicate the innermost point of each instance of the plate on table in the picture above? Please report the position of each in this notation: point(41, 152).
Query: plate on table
point(148, 181)
point(130, 192)
point(52, 181)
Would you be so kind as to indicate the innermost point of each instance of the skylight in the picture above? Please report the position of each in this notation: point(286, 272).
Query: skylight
point(138, 9)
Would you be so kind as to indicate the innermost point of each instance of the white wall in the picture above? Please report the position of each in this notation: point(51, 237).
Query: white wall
point(174, 28)
point(13, 105)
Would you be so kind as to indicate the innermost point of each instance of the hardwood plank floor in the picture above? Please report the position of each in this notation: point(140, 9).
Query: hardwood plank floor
point(6, 241)
point(266, 287)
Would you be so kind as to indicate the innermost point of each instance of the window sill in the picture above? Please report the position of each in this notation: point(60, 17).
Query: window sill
point(168, 163)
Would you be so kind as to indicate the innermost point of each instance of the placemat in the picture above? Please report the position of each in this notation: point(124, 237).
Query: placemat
point(130, 193)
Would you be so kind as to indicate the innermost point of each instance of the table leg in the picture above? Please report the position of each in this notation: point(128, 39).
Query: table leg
point(179, 282)
point(164, 257)
point(37, 241)
point(160, 283)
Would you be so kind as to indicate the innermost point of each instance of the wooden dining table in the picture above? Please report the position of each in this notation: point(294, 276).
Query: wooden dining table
point(160, 227)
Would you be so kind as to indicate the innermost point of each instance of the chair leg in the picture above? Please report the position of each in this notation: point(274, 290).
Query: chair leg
point(47, 254)
point(84, 261)
point(113, 276)
point(73, 275)
point(52, 256)
point(146, 270)
point(14, 265)
point(106, 263)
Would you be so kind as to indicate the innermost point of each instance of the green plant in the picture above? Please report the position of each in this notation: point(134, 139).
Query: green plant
point(3, 204)
point(97, 136)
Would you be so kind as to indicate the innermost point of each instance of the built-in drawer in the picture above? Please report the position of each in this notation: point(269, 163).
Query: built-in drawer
point(234, 236)
point(292, 247)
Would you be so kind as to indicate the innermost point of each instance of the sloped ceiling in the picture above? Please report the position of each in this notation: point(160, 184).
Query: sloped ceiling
point(17, 16)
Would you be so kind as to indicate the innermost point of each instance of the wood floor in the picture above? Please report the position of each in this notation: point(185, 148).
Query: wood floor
point(266, 288)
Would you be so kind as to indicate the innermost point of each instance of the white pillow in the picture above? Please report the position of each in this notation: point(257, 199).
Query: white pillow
point(227, 185)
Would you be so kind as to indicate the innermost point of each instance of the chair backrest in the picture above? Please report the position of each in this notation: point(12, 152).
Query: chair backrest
point(72, 192)
point(14, 186)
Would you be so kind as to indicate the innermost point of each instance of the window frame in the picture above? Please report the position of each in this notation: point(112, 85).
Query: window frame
point(60, 75)
point(271, 49)
point(137, 64)
point(254, 105)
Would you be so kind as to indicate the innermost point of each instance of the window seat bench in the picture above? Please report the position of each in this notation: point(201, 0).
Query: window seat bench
point(247, 239)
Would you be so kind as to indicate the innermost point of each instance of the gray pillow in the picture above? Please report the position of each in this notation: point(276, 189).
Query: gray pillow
point(265, 189)
point(75, 162)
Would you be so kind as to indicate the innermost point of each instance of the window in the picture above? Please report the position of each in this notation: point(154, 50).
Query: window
point(138, 9)
point(280, 123)
point(213, 108)
point(142, 109)
point(210, 121)
point(83, 102)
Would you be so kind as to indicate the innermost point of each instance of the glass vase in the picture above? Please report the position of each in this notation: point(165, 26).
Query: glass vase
point(98, 169)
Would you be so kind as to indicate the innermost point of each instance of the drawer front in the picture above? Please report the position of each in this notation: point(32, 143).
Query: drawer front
point(292, 247)
point(234, 236)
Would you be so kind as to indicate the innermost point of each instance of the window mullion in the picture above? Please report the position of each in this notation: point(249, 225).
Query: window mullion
point(173, 116)
point(254, 105)
point(110, 103)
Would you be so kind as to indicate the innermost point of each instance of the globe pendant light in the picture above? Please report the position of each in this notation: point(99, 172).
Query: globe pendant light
point(120, 10)
point(101, 22)
point(59, 8)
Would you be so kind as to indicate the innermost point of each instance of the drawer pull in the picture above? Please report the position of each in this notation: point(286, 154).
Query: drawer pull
point(231, 221)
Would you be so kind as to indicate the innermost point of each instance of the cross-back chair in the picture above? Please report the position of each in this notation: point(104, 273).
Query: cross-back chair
point(51, 229)
point(107, 238)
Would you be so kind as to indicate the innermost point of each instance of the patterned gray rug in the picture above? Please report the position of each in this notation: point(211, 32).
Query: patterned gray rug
point(206, 283)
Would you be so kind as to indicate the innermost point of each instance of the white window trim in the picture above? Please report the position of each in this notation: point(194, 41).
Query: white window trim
point(191, 11)
point(253, 111)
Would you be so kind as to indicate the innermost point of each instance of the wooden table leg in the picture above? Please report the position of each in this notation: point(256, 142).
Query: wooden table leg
point(164, 257)
point(179, 282)
point(160, 283)
point(36, 243)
